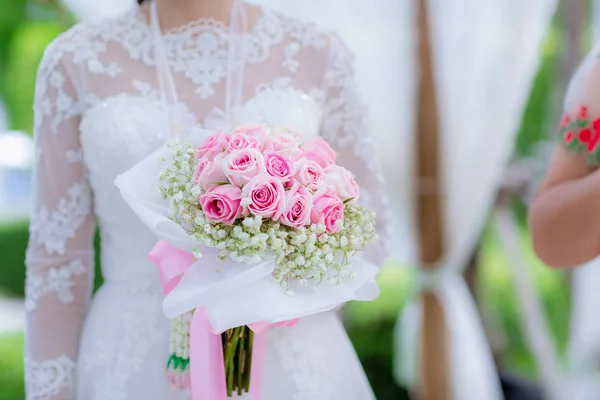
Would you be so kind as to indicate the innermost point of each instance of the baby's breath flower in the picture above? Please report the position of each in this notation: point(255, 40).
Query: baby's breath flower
point(246, 202)
point(308, 255)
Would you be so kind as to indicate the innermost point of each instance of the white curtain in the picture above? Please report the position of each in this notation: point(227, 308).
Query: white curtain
point(486, 54)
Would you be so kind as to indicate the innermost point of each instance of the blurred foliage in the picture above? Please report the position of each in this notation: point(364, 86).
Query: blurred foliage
point(12, 386)
point(12, 15)
point(539, 116)
point(24, 54)
point(13, 243)
point(26, 28)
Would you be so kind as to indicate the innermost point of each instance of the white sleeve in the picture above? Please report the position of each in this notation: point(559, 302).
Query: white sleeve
point(60, 252)
point(345, 129)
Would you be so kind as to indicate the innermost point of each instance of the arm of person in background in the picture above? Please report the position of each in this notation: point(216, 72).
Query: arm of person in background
point(565, 213)
point(345, 129)
point(60, 253)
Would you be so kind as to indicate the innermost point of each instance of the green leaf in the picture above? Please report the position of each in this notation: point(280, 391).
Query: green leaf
point(349, 200)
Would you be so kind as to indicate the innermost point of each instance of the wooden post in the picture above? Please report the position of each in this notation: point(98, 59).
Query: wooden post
point(435, 382)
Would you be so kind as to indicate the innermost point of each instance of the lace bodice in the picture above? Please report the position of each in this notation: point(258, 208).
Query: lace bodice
point(98, 111)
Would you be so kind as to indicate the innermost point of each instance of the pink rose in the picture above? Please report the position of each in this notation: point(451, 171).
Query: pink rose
point(278, 142)
point(241, 141)
point(288, 132)
point(285, 144)
point(240, 166)
point(222, 204)
point(319, 150)
point(298, 203)
point(257, 131)
point(327, 209)
point(342, 182)
point(203, 164)
point(279, 167)
point(210, 173)
point(264, 196)
point(212, 146)
point(309, 174)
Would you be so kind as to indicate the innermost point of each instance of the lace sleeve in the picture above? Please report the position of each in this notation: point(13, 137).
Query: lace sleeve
point(579, 129)
point(60, 252)
point(344, 128)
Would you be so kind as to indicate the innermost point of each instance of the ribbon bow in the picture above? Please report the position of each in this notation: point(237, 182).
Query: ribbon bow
point(207, 368)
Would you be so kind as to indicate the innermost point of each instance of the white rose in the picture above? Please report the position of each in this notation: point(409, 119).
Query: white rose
point(342, 182)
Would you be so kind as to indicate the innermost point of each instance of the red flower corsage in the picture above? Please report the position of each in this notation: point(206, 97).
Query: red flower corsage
point(581, 134)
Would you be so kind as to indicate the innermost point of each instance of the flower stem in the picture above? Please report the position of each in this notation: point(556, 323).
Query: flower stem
point(233, 336)
point(240, 360)
point(248, 360)
point(237, 354)
point(230, 382)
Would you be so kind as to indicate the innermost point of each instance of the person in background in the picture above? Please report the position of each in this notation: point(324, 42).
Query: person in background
point(565, 213)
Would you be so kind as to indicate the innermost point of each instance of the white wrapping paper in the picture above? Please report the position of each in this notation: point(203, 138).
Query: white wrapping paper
point(234, 294)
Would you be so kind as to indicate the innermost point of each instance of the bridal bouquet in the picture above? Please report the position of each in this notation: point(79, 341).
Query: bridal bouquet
point(259, 227)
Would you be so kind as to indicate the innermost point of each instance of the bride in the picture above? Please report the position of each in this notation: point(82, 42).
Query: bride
point(107, 95)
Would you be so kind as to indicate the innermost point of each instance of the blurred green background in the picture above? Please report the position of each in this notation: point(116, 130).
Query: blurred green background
point(25, 30)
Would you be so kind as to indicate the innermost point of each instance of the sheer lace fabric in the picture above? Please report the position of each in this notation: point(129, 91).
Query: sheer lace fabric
point(98, 111)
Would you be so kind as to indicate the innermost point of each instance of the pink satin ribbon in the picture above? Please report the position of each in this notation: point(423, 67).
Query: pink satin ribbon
point(171, 262)
point(207, 368)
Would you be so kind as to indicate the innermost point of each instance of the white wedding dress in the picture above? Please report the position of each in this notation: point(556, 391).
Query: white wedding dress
point(99, 109)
